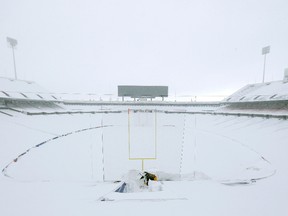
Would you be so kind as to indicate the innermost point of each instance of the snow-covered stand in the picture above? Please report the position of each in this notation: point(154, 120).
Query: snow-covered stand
point(102, 142)
point(64, 156)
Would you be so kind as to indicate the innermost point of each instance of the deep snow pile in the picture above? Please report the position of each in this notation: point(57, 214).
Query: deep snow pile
point(134, 181)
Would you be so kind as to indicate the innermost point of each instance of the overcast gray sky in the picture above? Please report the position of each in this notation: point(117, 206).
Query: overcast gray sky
point(193, 46)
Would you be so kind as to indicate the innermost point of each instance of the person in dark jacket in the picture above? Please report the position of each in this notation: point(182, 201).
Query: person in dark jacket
point(148, 176)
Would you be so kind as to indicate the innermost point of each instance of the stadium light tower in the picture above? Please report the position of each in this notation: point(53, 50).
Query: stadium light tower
point(12, 42)
point(265, 51)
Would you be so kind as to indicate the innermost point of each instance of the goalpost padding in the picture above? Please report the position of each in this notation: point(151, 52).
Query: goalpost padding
point(142, 134)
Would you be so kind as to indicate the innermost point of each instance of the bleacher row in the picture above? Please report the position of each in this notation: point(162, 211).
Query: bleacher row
point(35, 96)
point(265, 99)
point(261, 92)
point(11, 89)
point(18, 96)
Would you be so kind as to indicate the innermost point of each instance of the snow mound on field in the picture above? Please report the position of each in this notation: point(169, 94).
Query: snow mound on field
point(132, 183)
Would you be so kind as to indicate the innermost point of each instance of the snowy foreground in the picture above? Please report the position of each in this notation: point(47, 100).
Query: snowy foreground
point(243, 161)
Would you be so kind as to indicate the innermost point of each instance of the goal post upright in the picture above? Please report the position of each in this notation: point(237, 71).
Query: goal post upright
point(142, 157)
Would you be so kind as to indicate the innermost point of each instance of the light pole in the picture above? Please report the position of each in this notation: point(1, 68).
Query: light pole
point(265, 51)
point(12, 42)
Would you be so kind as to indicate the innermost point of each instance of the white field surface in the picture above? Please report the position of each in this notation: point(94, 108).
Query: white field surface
point(64, 176)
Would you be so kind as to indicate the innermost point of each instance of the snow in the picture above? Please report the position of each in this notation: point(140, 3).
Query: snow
point(65, 175)
point(269, 91)
point(12, 85)
point(21, 89)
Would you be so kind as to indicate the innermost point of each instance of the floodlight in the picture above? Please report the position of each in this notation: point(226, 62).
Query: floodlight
point(12, 41)
point(265, 50)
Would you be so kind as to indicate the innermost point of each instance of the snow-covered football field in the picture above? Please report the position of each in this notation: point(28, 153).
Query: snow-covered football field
point(56, 164)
